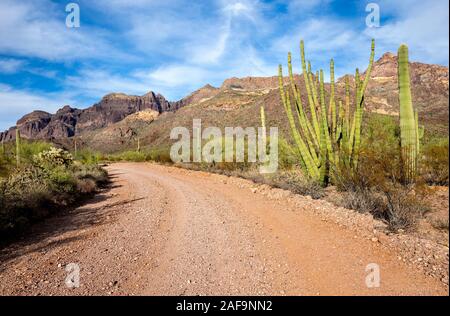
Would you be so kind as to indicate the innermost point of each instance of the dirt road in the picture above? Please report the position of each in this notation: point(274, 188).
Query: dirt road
point(162, 230)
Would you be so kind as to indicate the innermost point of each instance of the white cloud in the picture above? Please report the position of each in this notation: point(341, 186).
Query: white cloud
point(11, 65)
point(306, 5)
point(174, 75)
point(423, 25)
point(16, 103)
point(34, 29)
point(97, 83)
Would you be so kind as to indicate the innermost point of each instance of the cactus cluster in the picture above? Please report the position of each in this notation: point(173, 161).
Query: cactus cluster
point(330, 134)
point(410, 133)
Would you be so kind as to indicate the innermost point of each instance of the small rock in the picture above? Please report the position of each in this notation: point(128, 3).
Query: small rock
point(374, 239)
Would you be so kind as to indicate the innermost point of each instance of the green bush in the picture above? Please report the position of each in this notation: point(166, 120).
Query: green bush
point(52, 181)
point(376, 187)
point(53, 157)
point(295, 181)
point(434, 162)
point(89, 157)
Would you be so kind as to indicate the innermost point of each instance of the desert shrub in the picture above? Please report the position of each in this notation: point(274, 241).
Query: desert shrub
point(295, 181)
point(5, 164)
point(53, 157)
point(440, 223)
point(376, 187)
point(93, 172)
point(89, 157)
point(287, 155)
point(32, 191)
point(161, 155)
point(132, 156)
point(434, 162)
point(29, 149)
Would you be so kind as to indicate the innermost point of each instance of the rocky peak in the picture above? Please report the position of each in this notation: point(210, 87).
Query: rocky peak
point(68, 121)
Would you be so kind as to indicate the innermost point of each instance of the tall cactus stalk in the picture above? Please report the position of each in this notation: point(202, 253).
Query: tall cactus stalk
point(263, 117)
point(325, 134)
point(138, 149)
point(409, 125)
point(18, 147)
point(75, 152)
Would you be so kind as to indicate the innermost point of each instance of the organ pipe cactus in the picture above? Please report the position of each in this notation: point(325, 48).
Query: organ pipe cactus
point(409, 121)
point(326, 135)
point(18, 147)
point(263, 117)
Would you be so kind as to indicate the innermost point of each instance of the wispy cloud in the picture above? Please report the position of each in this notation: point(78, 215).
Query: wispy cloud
point(35, 29)
point(16, 103)
point(423, 25)
point(176, 46)
point(11, 65)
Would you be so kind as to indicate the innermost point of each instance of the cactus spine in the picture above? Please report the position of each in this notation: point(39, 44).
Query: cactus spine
point(409, 125)
point(327, 134)
point(18, 147)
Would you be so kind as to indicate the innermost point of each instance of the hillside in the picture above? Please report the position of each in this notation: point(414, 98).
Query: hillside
point(235, 103)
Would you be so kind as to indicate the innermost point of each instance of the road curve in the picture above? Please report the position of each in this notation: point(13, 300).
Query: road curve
point(167, 231)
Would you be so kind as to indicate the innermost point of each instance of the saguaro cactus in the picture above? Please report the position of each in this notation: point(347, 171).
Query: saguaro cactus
point(409, 125)
point(18, 147)
point(327, 134)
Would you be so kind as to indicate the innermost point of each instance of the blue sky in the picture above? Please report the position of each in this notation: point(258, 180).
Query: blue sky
point(176, 46)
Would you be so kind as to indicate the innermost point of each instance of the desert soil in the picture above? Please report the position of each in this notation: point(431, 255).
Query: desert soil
point(168, 231)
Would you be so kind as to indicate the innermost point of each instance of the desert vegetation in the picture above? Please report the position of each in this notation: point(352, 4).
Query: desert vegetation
point(38, 179)
point(377, 173)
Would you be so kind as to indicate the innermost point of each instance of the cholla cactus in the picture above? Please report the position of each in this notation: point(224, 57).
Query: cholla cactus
point(53, 157)
point(324, 138)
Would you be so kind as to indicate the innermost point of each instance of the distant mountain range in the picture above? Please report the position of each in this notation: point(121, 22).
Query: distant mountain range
point(239, 97)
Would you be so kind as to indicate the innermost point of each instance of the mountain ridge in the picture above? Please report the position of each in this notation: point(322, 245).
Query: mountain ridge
point(429, 82)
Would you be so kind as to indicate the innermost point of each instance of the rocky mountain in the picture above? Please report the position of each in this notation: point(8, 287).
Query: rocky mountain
point(239, 98)
point(68, 121)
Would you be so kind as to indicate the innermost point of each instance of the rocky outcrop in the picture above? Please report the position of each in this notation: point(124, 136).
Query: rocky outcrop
point(68, 121)
point(429, 88)
point(115, 107)
point(205, 93)
point(252, 83)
